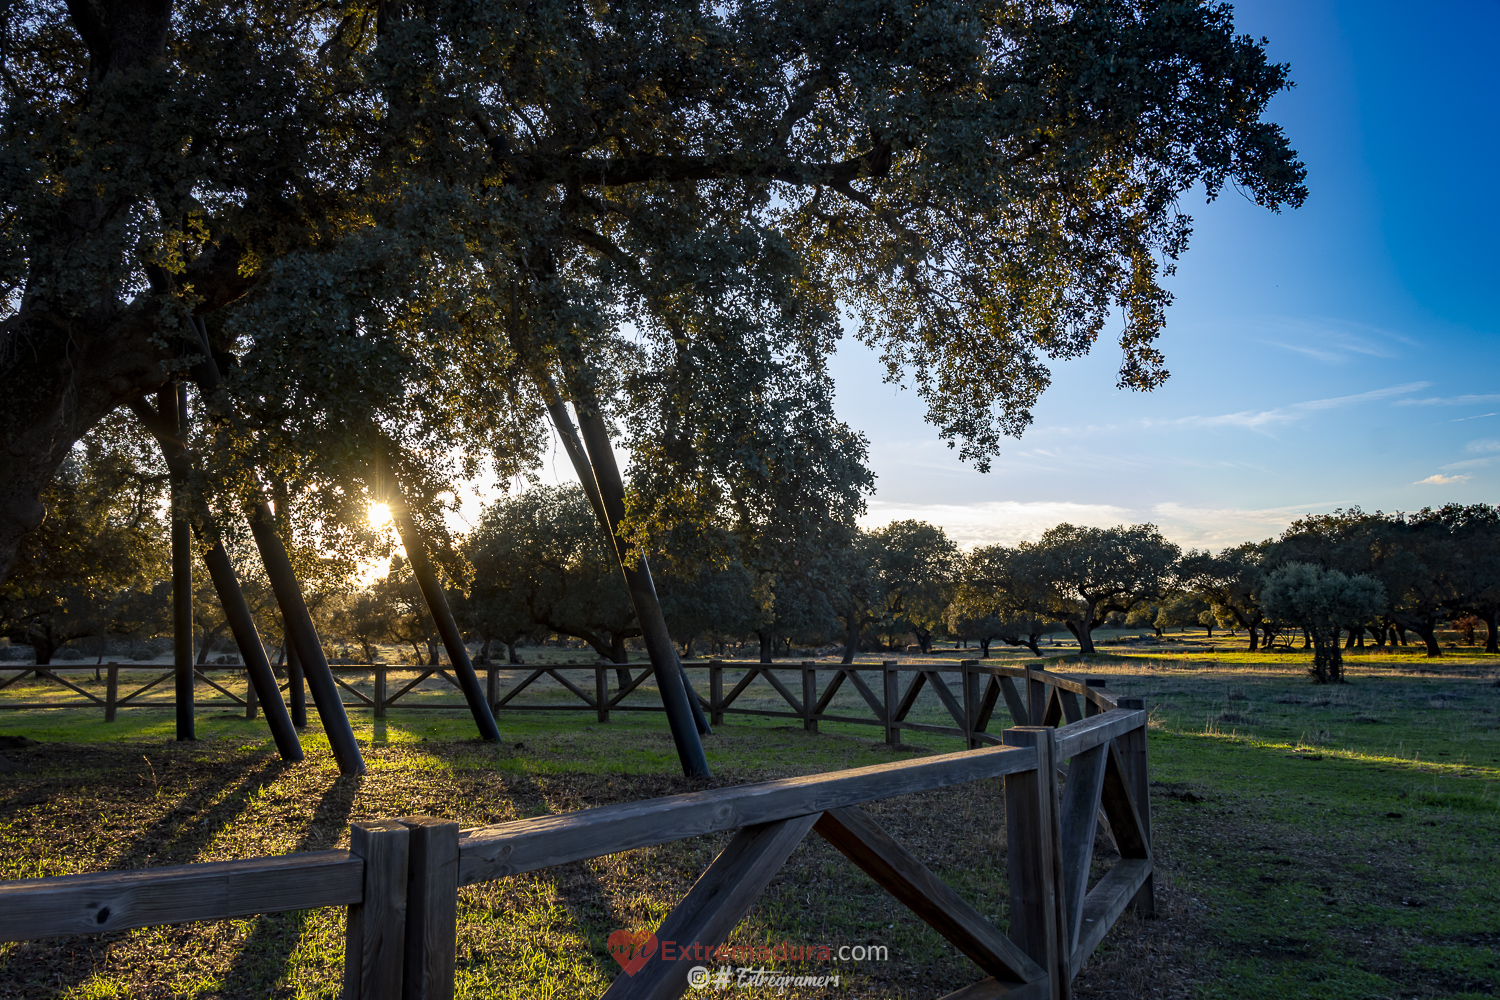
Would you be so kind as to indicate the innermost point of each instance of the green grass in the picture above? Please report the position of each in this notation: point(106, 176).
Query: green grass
point(1314, 842)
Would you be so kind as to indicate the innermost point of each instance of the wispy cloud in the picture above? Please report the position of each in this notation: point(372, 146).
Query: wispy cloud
point(1439, 480)
point(1477, 416)
point(1335, 341)
point(1261, 419)
point(1489, 397)
point(1483, 446)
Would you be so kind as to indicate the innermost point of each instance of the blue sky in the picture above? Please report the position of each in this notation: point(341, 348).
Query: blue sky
point(1343, 353)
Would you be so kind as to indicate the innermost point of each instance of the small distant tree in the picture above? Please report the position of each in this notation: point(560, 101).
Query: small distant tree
point(1320, 600)
point(715, 600)
point(1230, 581)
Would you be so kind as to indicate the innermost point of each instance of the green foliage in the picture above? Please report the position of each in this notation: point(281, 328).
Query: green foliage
point(1321, 601)
point(998, 597)
point(92, 567)
point(917, 565)
point(1091, 573)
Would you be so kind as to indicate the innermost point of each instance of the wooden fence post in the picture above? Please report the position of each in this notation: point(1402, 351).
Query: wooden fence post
point(716, 692)
point(251, 702)
point(892, 694)
point(1036, 697)
point(809, 695)
point(380, 684)
point(375, 938)
point(492, 686)
point(971, 701)
point(1032, 853)
point(111, 691)
point(1132, 747)
point(601, 692)
point(431, 909)
point(1089, 707)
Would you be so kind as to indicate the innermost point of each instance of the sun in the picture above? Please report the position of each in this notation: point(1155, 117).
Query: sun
point(379, 515)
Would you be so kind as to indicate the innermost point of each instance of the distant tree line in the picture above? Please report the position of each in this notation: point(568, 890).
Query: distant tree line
point(538, 566)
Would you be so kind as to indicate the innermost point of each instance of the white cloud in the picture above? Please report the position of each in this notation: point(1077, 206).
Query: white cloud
point(1259, 419)
point(1451, 400)
point(1483, 446)
point(1008, 522)
point(1477, 416)
point(1440, 480)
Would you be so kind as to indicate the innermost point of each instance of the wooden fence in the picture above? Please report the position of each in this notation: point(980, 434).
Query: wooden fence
point(400, 878)
point(969, 691)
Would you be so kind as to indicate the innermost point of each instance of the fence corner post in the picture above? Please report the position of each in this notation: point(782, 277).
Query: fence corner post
point(809, 695)
point(1033, 857)
point(716, 692)
point(971, 701)
point(1036, 695)
point(891, 691)
point(1132, 747)
point(375, 937)
point(380, 683)
point(431, 909)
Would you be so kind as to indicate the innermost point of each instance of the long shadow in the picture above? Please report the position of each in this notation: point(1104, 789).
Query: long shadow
point(176, 837)
point(273, 937)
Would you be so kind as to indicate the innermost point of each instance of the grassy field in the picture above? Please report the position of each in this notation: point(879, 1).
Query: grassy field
point(1324, 842)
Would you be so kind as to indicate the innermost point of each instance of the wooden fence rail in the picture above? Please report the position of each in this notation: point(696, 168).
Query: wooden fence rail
point(969, 691)
point(400, 878)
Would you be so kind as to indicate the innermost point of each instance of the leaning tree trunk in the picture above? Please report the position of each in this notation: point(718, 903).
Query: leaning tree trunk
point(1429, 637)
point(593, 459)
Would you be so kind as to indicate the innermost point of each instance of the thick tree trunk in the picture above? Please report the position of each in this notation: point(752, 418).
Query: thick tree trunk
point(984, 648)
point(1429, 636)
point(851, 635)
point(766, 644)
point(1492, 631)
point(1254, 639)
point(510, 653)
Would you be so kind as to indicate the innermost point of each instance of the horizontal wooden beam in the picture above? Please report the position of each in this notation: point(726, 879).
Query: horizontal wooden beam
point(1086, 734)
point(216, 890)
point(1104, 904)
point(493, 852)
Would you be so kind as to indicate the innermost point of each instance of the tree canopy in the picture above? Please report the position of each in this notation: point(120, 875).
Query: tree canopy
point(424, 224)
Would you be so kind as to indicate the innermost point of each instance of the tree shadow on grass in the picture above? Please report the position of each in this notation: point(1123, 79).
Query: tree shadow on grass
point(264, 960)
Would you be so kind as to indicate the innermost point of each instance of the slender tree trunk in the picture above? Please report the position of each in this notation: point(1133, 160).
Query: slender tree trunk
point(511, 657)
point(596, 463)
point(442, 615)
point(1254, 639)
point(851, 635)
point(984, 648)
point(1492, 631)
point(1306, 639)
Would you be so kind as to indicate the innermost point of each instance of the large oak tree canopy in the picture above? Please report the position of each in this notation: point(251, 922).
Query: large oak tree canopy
point(412, 223)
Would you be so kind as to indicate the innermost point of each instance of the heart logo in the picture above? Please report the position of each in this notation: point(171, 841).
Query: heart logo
point(632, 949)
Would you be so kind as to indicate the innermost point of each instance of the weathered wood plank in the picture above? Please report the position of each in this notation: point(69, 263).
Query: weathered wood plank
point(739, 687)
point(431, 909)
point(955, 709)
point(1117, 802)
point(647, 672)
point(565, 682)
point(1085, 733)
point(1013, 701)
point(1077, 822)
point(375, 935)
point(1105, 903)
point(910, 697)
point(112, 901)
point(711, 908)
point(493, 852)
point(836, 682)
point(1134, 757)
point(860, 839)
point(781, 689)
point(867, 695)
point(987, 705)
point(409, 686)
point(1070, 707)
point(1032, 859)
